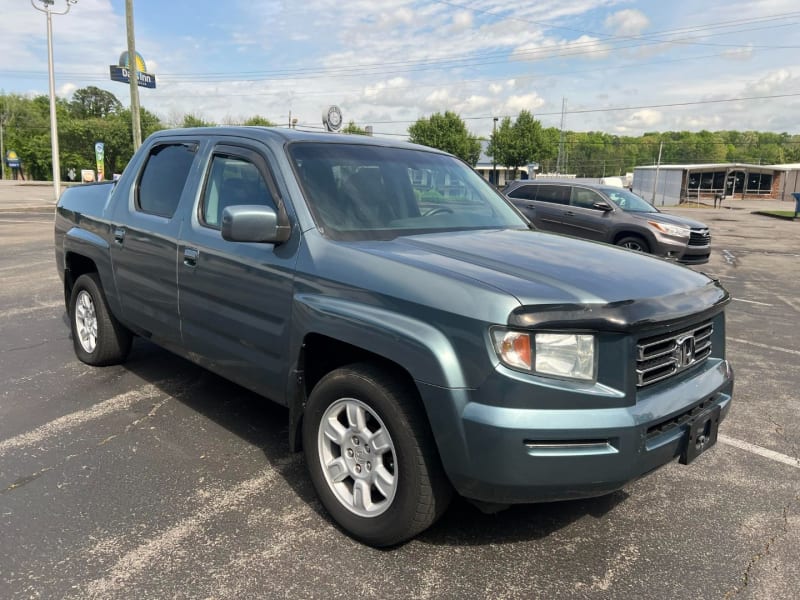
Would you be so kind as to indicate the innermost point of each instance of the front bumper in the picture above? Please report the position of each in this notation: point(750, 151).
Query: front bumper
point(507, 455)
point(680, 250)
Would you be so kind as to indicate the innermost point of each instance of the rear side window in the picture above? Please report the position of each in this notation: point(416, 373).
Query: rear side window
point(232, 181)
point(555, 194)
point(524, 192)
point(163, 179)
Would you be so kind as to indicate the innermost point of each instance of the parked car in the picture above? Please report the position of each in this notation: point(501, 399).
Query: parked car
point(423, 337)
point(613, 215)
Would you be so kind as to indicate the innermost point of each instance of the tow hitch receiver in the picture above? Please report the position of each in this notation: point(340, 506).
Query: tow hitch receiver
point(702, 435)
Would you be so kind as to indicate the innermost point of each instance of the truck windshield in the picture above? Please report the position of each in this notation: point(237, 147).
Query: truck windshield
point(359, 192)
point(628, 201)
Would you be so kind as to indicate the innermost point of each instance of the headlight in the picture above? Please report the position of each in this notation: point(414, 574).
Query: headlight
point(673, 230)
point(566, 355)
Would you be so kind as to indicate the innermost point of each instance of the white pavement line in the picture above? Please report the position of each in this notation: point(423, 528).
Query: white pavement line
point(16, 312)
point(766, 346)
point(791, 304)
point(20, 266)
point(753, 302)
point(766, 453)
point(161, 548)
point(76, 419)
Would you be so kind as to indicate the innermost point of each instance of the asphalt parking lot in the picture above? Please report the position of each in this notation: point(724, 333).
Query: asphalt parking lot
point(157, 479)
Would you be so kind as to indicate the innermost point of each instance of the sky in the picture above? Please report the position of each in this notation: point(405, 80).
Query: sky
point(623, 67)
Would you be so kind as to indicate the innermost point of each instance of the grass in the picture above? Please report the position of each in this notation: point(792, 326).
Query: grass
point(780, 214)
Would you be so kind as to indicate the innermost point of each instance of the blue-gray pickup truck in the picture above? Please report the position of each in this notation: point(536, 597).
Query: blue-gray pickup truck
point(423, 336)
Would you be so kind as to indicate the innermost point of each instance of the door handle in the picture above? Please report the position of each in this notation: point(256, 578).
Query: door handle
point(119, 235)
point(531, 206)
point(569, 213)
point(190, 257)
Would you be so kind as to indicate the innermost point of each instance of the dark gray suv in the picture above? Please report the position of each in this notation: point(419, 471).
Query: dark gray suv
point(612, 215)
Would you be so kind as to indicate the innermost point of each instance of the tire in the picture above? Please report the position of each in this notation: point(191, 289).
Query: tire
point(634, 242)
point(98, 338)
point(369, 428)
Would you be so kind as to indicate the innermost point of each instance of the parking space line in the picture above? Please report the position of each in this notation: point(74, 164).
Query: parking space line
point(791, 304)
point(16, 312)
point(752, 302)
point(767, 346)
point(76, 419)
point(766, 453)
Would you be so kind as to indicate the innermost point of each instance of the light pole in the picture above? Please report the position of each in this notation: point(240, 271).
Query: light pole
point(494, 160)
point(48, 10)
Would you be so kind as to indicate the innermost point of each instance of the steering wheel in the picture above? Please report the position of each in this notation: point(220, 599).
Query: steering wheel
point(439, 210)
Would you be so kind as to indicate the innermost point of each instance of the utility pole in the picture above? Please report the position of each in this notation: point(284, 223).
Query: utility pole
point(133, 76)
point(655, 179)
point(48, 10)
point(561, 161)
point(2, 147)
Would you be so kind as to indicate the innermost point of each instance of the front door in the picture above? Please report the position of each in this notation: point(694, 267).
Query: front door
point(236, 297)
point(582, 218)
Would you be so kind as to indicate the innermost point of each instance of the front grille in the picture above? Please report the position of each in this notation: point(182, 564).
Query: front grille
point(662, 356)
point(699, 237)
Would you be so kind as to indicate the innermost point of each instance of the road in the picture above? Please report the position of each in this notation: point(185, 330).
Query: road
point(158, 479)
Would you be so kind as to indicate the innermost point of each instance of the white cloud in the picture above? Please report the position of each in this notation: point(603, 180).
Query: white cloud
point(773, 82)
point(741, 53)
point(495, 88)
point(529, 102)
point(586, 46)
point(627, 22)
point(644, 118)
point(462, 21)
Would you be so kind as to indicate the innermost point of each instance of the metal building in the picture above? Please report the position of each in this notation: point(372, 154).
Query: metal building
point(670, 185)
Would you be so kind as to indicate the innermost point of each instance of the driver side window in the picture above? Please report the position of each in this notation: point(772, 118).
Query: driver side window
point(232, 181)
point(585, 198)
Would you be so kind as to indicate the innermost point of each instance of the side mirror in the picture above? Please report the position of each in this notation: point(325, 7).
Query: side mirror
point(602, 206)
point(253, 223)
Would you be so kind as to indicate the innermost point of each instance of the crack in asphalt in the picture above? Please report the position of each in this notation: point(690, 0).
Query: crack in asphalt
point(754, 560)
point(22, 481)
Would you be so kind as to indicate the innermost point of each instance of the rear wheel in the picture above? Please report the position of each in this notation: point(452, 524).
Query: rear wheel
point(371, 455)
point(98, 338)
point(633, 242)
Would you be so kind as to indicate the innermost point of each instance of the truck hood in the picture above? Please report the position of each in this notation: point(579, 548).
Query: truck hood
point(546, 270)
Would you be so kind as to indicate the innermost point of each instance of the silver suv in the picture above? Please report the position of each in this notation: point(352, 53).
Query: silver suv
point(612, 215)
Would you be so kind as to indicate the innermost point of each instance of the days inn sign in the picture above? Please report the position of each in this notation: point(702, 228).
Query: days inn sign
point(121, 71)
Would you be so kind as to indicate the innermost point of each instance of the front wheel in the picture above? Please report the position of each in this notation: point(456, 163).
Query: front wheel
point(634, 242)
point(98, 338)
point(372, 457)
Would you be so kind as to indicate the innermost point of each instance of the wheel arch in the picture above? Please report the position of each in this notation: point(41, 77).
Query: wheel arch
point(648, 237)
point(340, 332)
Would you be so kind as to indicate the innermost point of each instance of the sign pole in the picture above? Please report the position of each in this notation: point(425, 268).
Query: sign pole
point(134, 77)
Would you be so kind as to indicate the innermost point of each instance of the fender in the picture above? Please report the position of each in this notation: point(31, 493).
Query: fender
point(92, 246)
point(416, 346)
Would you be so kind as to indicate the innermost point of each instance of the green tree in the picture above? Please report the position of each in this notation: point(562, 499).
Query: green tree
point(522, 142)
point(446, 132)
point(195, 121)
point(93, 102)
point(259, 121)
point(352, 128)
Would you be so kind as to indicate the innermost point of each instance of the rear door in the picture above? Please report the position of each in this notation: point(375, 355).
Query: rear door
point(236, 297)
point(584, 219)
point(145, 229)
point(542, 203)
